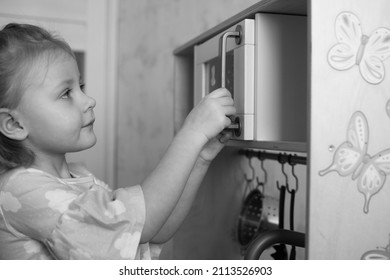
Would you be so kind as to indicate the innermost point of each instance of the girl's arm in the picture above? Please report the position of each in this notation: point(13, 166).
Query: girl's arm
point(165, 185)
point(183, 206)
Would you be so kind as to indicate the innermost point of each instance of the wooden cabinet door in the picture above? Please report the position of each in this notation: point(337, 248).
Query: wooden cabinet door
point(349, 195)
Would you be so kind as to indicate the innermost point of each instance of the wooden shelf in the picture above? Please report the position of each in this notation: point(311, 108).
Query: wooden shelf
point(265, 145)
point(297, 7)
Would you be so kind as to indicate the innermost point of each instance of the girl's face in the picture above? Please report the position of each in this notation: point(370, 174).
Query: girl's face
point(56, 112)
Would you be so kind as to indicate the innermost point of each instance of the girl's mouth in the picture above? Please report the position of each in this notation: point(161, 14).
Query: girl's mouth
point(90, 123)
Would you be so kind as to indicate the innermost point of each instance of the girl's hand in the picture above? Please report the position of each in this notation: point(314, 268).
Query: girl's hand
point(210, 116)
point(214, 146)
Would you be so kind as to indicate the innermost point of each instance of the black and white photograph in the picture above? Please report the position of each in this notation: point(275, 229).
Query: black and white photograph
point(203, 139)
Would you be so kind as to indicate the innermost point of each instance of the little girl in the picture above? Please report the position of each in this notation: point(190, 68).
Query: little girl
point(51, 209)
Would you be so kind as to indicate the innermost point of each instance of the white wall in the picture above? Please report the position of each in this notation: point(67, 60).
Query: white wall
point(89, 26)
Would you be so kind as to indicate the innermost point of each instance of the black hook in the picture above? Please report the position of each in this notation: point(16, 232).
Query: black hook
point(292, 163)
point(251, 167)
point(282, 160)
point(261, 158)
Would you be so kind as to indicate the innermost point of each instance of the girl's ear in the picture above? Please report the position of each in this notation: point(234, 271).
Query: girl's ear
point(10, 126)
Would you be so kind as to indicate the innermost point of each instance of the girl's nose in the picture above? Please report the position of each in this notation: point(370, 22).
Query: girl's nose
point(90, 103)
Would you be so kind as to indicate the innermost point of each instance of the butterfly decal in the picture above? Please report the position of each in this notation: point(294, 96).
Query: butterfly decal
point(355, 48)
point(388, 108)
point(377, 254)
point(351, 158)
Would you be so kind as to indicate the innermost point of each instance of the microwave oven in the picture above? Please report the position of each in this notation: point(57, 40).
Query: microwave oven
point(227, 60)
point(263, 63)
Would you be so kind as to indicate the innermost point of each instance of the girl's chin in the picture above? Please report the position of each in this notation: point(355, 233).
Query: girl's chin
point(93, 142)
point(88, 143)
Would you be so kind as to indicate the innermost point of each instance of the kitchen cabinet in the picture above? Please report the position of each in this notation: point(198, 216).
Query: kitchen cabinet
point(344, 193)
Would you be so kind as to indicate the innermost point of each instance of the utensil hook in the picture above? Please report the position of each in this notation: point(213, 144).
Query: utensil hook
point(293, 173)
point(259, 183)
point(282, 160)
point(252, 169)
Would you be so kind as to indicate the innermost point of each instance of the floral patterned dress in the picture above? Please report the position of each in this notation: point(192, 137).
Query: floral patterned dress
point(45, 217)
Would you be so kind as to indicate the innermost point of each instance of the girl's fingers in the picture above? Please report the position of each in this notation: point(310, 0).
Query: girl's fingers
point(227, 122)
point(221, 92)
point(226, 101)
point(225, 136)
point(229, 110)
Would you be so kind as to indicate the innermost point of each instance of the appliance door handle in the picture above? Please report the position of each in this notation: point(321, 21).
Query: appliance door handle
point(237, 34)
point(236, 125)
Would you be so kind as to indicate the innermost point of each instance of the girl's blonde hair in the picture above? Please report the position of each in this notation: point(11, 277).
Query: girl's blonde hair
point(21, 45)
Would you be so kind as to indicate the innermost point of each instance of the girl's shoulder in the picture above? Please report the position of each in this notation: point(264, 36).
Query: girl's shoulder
point(20, 172)
point(26, 178)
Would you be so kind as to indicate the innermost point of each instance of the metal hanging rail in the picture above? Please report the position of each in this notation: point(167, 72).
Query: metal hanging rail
point(281, 157)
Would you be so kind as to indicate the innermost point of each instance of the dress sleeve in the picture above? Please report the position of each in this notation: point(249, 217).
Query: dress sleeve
point(91, 224)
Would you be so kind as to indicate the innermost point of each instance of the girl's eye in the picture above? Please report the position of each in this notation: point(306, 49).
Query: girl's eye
point(82, 87)
point(65, 94)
